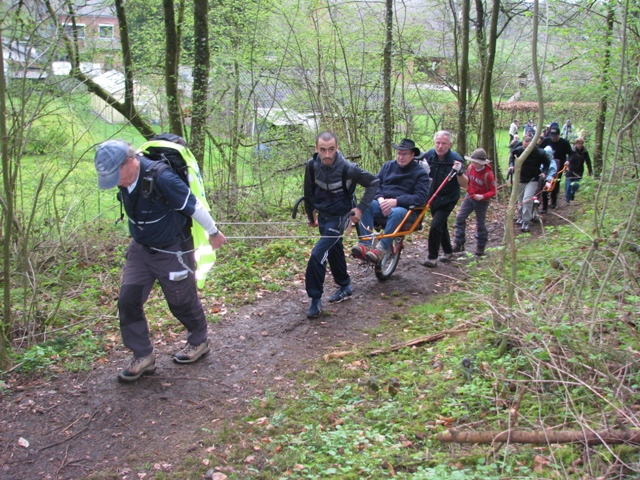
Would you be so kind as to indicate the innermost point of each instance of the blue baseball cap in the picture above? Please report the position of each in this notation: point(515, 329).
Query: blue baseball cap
point(109, 157)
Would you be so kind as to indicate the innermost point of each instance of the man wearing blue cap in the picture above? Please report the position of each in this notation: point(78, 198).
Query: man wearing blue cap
point(159, 208)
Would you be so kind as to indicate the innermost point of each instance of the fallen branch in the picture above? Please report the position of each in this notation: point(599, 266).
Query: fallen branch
point(435, 337)
point(541, 438)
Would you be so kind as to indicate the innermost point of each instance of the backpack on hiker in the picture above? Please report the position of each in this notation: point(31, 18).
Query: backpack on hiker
point(168, 150)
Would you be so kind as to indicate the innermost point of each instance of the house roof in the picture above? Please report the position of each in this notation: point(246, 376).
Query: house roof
point(111, 81)
point(94, 8)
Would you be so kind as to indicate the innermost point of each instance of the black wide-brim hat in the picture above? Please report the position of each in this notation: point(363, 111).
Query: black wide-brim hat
point(406, 144)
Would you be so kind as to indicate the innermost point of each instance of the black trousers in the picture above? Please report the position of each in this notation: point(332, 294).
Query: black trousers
point(438, 232)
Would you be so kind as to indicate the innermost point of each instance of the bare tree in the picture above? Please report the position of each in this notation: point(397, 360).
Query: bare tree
point(386, 78)
point(201, 62)
point(172, 61)
point(7, 217)
point(604, 86)
point(127, 107)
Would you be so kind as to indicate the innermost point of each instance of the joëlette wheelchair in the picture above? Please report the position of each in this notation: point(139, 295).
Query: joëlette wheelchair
point(411, 222)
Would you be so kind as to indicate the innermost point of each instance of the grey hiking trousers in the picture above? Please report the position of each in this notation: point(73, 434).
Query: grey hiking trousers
point(142, 268)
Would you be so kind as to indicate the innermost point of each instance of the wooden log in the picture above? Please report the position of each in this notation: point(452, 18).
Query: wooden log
point(435, 337)
point(541, 438)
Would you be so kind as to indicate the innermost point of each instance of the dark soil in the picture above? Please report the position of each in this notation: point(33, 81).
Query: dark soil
point(78, 424)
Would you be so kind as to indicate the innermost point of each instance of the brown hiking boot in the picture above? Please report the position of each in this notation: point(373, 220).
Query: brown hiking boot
point(137, 367)
point(192, 353)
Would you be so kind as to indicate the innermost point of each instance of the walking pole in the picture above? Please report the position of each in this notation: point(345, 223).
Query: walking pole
point(449, 176)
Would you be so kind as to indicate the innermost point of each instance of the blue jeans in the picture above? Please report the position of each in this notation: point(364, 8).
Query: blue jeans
point(327, 249)
point(571, 186)
point(469, 205)
point(375, 213)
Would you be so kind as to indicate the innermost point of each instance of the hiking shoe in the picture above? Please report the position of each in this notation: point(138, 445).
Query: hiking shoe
point(553, 205)
point(359, 251)
point(543, 211)
point(430, 263)
point(343, 293)
point(137, 367)
point(457, 248)
point(315, 308)
point(524, 227)
point(192, 353)
point(480, 252)
point(375, 255)
point(446, 257)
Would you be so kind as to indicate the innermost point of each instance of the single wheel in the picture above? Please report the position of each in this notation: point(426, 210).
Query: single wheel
point(390, 260)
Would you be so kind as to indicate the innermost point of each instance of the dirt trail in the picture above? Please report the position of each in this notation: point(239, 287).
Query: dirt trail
point(78, 424)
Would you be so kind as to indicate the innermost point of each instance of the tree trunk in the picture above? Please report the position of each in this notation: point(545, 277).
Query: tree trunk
point(7, 233)
point(545, 437)
point(127, 108)
point(386, 79)
point(464, 81)
point(488, 139)
point(604, 87)
point(201, 62)
point(172, 49)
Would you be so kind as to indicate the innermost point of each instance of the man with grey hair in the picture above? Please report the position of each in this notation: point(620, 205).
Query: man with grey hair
point(442, 160)
point(159, 208)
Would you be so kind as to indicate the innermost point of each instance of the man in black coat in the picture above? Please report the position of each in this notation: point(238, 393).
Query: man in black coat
point(441, 160)
point(561, 150)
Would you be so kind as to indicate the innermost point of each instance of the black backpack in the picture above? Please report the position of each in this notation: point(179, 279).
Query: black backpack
point(165, 155)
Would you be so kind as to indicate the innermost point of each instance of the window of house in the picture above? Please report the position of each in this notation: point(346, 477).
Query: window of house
point(68, 29)
point(105, 31)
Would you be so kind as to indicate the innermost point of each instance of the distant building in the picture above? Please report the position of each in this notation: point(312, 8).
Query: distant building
point(22, 60)
point(113, 82)
point(96, 26)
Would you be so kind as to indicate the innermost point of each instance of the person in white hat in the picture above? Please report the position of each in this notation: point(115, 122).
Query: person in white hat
point(481, 189)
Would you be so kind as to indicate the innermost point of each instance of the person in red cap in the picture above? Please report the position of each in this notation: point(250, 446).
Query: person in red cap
point(481, 189)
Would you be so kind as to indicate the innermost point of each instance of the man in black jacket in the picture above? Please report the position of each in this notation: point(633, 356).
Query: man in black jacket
point(403, 183)
point(561, 150)
point(533, 168)
point(161, 249)
point(329, 184)
point(442, 160)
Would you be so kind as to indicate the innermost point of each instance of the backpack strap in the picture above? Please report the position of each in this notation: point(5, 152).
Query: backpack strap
point(150, 179)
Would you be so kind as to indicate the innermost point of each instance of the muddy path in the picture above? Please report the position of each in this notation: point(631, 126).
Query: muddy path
point(78, 424)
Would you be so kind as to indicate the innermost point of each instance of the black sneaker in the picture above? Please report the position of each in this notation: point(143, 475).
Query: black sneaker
point(315, 308)
point(138, 366)
point(457, 248)
point(480, 252)
point(343, 293)
point(543, 211)
point(192, 353)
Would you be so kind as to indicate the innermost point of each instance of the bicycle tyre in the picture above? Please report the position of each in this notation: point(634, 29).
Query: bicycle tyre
point(385, 269)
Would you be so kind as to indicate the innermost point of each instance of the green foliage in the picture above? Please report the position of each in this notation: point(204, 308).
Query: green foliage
point(74, 353)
